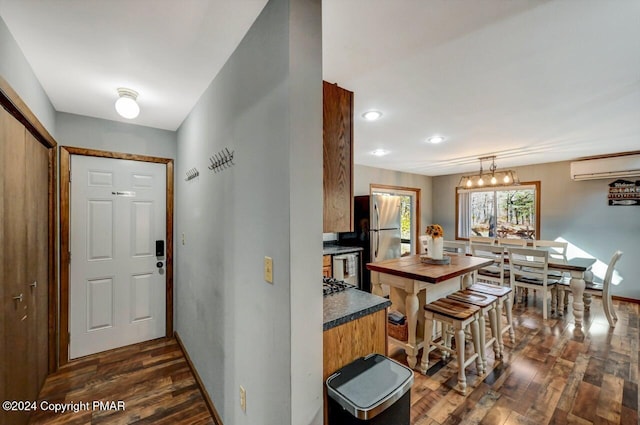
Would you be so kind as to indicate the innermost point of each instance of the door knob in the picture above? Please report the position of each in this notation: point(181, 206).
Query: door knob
point(18, 298)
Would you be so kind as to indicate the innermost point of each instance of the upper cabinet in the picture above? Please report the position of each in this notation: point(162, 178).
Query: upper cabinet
point(338, 158)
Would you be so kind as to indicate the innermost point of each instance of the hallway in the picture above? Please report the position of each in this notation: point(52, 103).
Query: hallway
point(151, 380)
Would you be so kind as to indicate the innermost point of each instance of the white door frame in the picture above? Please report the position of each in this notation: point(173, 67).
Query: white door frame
point(65, 166)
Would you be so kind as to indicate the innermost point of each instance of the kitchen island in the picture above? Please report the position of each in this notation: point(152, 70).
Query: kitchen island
point(355, 325)
point(413, 284)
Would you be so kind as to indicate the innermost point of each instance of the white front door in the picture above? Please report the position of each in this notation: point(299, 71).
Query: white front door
point(117, 292)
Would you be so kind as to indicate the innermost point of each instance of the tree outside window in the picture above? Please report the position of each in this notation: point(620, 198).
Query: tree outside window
point(501, 213)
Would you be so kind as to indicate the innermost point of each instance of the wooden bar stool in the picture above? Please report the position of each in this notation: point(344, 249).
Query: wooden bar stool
point(504, 296)
point(487, 304)
point(458, 315)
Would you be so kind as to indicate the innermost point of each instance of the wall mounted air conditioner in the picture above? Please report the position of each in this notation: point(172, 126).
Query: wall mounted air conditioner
point(606, 168)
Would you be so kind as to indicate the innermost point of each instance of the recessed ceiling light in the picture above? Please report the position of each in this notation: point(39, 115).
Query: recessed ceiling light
point(372, 115)
point(379, 152)
point(435, 139)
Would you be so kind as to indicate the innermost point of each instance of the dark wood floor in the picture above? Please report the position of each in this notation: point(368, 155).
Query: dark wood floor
point(153, 379)
point(550, 376)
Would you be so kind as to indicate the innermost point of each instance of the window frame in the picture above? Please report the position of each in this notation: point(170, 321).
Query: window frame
point(538, 196)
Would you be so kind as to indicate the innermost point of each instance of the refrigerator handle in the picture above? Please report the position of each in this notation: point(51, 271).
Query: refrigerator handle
point(376, 225)
point(376, 229)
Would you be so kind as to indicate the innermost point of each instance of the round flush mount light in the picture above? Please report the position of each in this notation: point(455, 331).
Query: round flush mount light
point(379, 152)
point(435, 139)
point(372, 115)
point(126, 104)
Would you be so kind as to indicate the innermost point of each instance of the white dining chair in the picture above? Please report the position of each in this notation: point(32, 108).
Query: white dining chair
point(482, 239)
point(494, 273)
point(529, 268)
point(557, 250)
point(600, 289)
point(423, 243)
point(455, 247)
point(511, 242)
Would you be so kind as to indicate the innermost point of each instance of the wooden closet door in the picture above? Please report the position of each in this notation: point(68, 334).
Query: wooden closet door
point(4, 116)
point(37, 206)
point(14, 279)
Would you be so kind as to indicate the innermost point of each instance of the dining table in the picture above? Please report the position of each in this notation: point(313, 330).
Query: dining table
point(577, 267)
point(414, 283)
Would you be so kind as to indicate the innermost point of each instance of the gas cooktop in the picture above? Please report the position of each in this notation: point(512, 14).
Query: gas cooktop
point(331, 285)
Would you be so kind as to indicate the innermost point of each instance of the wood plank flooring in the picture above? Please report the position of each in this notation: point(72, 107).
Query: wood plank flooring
point(550, 376)
point(153, 380)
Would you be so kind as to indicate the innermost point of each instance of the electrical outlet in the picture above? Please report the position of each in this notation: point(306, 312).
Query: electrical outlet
point(268, 269)
point(183, 239)
point(243, 399)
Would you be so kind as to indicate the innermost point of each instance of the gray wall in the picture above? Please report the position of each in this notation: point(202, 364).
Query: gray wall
point(266, 105)
point(575, 211)
point(15, 69)
point(363, 176)
point(95, 133)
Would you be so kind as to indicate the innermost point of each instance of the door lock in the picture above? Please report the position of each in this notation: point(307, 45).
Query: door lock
point(159, 264)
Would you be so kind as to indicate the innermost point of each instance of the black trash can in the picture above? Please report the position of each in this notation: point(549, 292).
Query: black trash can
point(372, 390)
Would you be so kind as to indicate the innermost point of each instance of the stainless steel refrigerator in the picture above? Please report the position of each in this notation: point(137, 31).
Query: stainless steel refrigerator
point(385, 227)
point(376, 231)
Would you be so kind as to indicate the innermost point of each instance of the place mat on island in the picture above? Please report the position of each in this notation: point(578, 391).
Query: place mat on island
point(428, 260)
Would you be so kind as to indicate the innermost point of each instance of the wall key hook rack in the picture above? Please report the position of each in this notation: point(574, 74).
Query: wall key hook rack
point(192, 174)
point(221, 160)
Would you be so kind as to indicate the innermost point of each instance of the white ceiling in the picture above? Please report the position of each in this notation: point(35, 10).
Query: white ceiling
point(529, 81)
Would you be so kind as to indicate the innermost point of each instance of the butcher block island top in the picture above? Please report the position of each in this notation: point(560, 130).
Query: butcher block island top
point(411, 267)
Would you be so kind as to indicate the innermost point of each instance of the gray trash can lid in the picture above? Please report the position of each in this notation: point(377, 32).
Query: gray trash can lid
point(369, 385)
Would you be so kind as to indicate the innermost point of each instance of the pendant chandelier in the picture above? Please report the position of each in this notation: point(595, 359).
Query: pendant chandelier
point(491, 178)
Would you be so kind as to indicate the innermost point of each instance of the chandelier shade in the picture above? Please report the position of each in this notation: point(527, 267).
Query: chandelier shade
point(490, 178)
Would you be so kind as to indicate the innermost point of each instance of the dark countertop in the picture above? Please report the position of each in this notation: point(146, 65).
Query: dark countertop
point(345, 306)
point(337, 249)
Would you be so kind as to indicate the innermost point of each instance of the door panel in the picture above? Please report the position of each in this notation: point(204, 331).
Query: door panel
point(39, 157)
point(16, 312)
point(4, 127)
point(99, 304)
point(117, 294)
point(100, 230)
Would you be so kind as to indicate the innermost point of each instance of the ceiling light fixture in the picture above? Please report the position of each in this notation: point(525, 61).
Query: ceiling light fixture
point(372, 115)
point(126, 104)
point(379, 152)
point(496, 178)
point(435, 139)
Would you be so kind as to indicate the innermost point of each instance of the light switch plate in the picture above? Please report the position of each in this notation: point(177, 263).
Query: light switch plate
point(243, 399)
point(268, 269)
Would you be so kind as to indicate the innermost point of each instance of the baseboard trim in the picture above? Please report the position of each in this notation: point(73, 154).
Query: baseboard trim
point(205, 394)
point(629, 300)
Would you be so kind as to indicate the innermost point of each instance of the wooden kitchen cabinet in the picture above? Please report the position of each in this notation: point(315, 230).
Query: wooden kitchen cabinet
point(326, 266)
point(337, 159)
point(350, 341)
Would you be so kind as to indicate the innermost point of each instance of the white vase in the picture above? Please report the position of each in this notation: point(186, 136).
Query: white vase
point(435, 248)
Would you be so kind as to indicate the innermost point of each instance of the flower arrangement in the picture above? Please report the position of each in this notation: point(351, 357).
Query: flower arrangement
point(435, 231)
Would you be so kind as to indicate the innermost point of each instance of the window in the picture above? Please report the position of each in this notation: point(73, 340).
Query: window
point(506, 212)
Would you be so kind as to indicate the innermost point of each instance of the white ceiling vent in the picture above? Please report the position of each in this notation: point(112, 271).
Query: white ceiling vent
point(606, 168)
